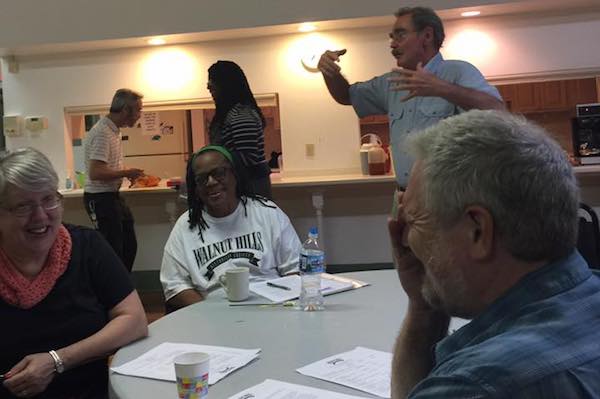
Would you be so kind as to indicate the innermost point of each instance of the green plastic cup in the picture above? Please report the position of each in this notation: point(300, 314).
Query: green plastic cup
point(80, 176)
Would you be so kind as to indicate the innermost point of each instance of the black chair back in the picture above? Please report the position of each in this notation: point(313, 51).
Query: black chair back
point(588, 240)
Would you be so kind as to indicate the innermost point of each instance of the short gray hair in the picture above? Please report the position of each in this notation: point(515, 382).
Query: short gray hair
point(509, 166)
point(124, 98)
point(421, 18)
point(27, 169)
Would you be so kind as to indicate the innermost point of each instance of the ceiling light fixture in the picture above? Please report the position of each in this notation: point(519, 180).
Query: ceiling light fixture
point(307, 27)
point(470, 13)
point(157, 41)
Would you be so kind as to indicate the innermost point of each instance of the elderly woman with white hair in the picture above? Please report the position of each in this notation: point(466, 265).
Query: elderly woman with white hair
point(66, 301)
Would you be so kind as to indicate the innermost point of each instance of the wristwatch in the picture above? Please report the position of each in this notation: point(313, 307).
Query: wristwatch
point(59, 366)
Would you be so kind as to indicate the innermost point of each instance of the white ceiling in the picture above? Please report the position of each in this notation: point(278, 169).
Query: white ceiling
point(528, 7)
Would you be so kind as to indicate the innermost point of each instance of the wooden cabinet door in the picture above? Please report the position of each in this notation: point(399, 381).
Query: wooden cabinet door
point(552, 95)
point(277, 122)
point(367, 120)
point(507, 93)
point(374, 120)
point(581, 91)
point(381, 119)
point(526, 97)
point(271, 115)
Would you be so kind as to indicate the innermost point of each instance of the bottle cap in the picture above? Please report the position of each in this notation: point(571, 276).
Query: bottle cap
point(313, 231)
point(366, 147)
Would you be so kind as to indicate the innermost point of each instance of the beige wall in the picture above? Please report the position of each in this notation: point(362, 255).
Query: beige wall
point(44, 85)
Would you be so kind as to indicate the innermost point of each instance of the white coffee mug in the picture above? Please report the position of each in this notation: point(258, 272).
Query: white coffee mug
point(191, 372)
point(235, 283)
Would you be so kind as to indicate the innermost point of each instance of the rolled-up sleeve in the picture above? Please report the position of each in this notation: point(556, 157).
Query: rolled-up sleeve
point(370, 97)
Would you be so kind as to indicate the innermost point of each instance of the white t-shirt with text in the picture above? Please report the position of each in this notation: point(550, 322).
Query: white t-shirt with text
point(257, 237)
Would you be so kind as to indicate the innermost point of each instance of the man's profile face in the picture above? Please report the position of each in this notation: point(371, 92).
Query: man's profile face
point(407, 44)
point(443, 282)
point(133, 113)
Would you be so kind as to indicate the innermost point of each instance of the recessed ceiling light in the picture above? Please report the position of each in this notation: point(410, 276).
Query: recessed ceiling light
point(157, 41)
point(470, 13)
point(307, 27)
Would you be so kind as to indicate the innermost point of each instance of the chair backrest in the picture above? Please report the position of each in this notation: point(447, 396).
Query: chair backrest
point(588, 240)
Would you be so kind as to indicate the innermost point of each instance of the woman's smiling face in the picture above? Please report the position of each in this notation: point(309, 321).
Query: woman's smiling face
point(29, 221)
point(215, 183)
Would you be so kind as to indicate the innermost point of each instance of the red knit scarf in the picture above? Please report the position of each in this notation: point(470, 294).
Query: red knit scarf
point(23, 293)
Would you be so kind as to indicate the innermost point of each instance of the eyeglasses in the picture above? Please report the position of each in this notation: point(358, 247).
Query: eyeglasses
point(48, 203)
point(398, 35)
point(218, 173)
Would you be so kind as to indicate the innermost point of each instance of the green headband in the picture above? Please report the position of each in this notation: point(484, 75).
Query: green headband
point(216, 148)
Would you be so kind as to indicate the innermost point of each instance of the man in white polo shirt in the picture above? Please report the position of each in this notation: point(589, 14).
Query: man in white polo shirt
point(104, 167)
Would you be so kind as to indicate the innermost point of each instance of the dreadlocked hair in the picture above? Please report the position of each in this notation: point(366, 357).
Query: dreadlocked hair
point(233, 88)
point(243, 192)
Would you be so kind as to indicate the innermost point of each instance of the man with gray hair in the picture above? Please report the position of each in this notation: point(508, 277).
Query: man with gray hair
point(486, 230)
point(104, 168)
point(424, 88)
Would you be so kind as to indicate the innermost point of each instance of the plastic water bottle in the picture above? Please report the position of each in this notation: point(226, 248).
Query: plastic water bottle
point(312, 264)
point(68, 183)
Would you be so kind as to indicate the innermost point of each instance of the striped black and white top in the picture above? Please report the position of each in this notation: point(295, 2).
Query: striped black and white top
point(242, 131)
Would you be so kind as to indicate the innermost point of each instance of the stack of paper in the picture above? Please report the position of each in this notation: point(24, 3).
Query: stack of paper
point(273, 389)
point(330, 284)
point(364, 369)
point(157, 363)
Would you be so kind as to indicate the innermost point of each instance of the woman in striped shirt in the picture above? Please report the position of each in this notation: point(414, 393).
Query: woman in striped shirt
point(238, 124)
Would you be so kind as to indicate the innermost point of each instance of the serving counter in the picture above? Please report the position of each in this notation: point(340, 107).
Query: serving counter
point(278, 180)
point(586, 174)
point(350, 210)
point(161, 188)
point(307, 200)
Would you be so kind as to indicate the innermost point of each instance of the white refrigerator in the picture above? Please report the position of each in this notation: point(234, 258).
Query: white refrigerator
point(159, 143)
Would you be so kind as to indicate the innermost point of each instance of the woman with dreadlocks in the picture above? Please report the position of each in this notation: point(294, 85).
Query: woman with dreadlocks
point(239, 124)
point(225, 226)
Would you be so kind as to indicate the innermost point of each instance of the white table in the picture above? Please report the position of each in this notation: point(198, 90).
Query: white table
point(289, 338)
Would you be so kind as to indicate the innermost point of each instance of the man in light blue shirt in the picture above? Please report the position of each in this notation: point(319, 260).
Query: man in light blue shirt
point(486, 231)
point(421, 91)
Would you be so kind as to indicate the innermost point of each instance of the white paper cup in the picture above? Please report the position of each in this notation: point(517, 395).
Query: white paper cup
point(191, 371)
point(235, 281)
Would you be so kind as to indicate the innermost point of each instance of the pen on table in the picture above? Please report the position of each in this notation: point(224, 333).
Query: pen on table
point(283, 287)
point(264, 304)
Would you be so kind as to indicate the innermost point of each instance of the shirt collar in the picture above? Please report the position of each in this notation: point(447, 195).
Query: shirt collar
point(224, 219)
point(545, 282)
point(111, 124)
point(434, 63)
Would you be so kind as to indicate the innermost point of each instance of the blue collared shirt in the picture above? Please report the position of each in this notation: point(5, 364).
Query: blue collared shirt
point(374, 97)
point(539, 340)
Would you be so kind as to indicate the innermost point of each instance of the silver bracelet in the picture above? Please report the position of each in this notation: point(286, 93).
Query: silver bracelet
point(59, 366)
